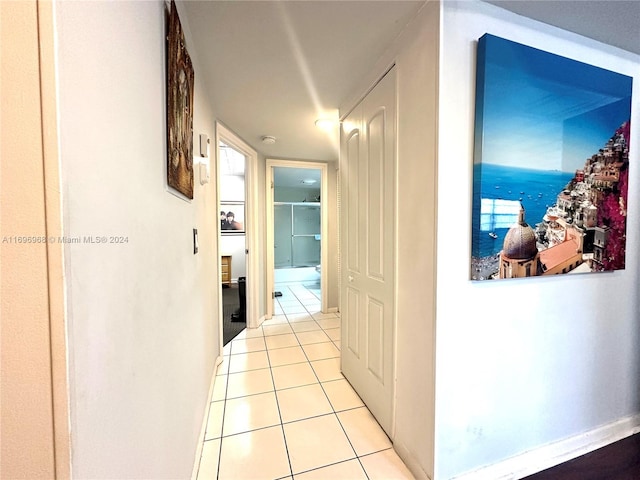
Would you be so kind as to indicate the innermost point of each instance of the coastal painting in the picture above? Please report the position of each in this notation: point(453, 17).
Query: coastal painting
point(551, 162)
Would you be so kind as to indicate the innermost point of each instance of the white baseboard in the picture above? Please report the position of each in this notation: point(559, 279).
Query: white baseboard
point(555, 453)
point(203, 429)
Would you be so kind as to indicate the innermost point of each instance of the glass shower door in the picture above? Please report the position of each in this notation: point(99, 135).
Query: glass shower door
point(282, 236)
point(306, 235)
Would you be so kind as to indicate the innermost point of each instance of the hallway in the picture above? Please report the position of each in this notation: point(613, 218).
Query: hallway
point(282, 409)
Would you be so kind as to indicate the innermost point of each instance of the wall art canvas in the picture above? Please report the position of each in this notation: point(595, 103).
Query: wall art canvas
point(180, 86)
point(551, 162)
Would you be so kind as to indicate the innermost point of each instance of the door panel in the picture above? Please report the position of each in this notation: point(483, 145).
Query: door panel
point(352, 198)
point(367, 166)
point(375, 321)
point(353, 327)
point(282, 236)
point(375, 189)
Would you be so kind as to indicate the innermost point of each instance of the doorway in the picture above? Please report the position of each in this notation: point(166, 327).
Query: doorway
point(296, 229)
point(233, 263)
point(238, 251)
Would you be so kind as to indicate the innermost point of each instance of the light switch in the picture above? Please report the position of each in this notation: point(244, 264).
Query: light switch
point(204, 145)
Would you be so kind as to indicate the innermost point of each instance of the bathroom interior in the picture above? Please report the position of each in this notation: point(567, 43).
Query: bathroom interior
point(297, 221)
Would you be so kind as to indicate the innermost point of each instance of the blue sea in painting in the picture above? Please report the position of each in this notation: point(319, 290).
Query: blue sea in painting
point(497, 193)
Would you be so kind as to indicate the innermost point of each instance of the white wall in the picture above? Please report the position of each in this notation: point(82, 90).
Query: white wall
point(232, 189)
point(142, 315)
point(417, 63)
point(262, 234)
point(235, 246)
point(292, 194)
point(526, 362)
point(333, 280)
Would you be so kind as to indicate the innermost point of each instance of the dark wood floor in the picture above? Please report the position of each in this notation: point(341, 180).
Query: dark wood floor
point(618, 461)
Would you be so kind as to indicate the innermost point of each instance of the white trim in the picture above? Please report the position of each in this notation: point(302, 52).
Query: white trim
point(324, 228)
point(332, 310)
point(555, 453)
point(251, 222)
point(205, 418)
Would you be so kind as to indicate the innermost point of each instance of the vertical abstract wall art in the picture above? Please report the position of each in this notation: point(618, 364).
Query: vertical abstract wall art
point(180, 86)
point(551, 161)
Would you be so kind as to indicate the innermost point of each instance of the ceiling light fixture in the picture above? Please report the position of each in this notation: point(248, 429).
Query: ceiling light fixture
point(308, 181)
point(325, 124)
point(268, 140)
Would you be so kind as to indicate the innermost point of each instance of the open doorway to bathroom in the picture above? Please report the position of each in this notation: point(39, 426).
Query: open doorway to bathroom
point(295, 236)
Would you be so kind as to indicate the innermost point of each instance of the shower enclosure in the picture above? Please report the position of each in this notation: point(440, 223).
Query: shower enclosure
point(296, 235)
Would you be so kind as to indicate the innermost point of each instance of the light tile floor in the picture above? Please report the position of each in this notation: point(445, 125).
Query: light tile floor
point(281, 409)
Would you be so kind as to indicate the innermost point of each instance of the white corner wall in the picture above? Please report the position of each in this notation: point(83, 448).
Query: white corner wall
point(264, 296)
point(415, 56)
point(523, 363)
point(417, 70)
point(142, 315)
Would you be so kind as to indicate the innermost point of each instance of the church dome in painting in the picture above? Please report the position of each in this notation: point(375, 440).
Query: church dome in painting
point(520, 241)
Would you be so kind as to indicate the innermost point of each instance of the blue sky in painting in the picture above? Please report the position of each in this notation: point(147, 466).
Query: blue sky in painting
point(541, 111)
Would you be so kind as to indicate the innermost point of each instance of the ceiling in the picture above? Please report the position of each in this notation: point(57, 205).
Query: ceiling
point(271, 68)
point(614, 22)
point(293, 177)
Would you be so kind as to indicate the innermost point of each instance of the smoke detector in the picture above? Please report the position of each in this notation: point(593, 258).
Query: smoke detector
point(268, 140)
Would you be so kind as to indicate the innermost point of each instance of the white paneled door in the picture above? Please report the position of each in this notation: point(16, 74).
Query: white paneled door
point(367, 166)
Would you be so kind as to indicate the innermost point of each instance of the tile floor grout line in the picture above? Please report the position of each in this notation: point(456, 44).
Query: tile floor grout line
point(204, 439)
point(354, 448)
point(377, 451)
point(249, 431)
point(329, 465)
point(284, 436)
point(291, 422)
point(224, 410)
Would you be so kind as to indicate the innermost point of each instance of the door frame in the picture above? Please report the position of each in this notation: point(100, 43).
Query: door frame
point(324, 227)
point(45, 343)
point(251, 216)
